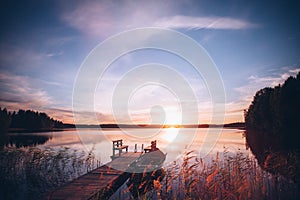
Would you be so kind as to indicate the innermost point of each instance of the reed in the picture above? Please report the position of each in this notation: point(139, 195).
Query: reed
point(230, 176)
point(226, 176)
point(31, 173)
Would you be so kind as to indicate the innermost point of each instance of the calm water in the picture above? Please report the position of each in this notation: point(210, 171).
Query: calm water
point(34, 178)
point(175, 142)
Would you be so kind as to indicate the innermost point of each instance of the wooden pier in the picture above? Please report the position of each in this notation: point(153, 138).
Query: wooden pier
point(100, 183)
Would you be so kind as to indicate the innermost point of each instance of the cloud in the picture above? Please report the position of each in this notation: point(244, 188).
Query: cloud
point(66, 115)
point(270, 81)
point(190, 22)
point(18, 58)
point(62, 114)
point(234, 109)
point(106, 18)
point(256, 83)
point(92, 117)
point(93, 18)
point(17, 92)
point(294, 71)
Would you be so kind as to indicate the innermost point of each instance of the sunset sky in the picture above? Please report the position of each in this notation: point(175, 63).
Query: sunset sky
point(44, 43)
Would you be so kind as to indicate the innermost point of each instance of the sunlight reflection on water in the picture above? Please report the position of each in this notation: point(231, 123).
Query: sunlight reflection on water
point(100, 142)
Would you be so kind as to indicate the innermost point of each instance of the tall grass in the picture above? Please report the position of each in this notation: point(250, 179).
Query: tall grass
point(226, 176)
point(32, 173)
point(235, 176)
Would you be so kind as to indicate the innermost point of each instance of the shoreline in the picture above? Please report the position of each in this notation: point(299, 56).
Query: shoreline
point(34, 131)
point(93, 127)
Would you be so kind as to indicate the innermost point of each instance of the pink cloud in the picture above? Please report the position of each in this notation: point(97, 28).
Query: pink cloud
point(17, 92)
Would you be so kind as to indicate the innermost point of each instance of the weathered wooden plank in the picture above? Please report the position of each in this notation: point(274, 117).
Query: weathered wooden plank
point(100, 183)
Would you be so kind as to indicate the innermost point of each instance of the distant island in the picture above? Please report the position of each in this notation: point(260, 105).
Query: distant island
point(238, 125)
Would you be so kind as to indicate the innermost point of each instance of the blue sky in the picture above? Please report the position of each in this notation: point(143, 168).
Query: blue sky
point(43, 44)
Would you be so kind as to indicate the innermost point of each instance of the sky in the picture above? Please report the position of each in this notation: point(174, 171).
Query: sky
point(43, 44)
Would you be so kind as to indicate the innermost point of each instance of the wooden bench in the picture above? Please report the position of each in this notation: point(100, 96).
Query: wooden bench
point(147, 149)
point(151, 148)
point(118, 145)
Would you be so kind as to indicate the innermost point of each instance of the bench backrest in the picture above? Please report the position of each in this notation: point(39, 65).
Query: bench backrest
point(117, 143)
point(153, 146)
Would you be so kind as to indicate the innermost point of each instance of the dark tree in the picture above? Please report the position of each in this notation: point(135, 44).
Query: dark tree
point(272, 128)
point(31, 120)
point(5, 120)
point(275, 112)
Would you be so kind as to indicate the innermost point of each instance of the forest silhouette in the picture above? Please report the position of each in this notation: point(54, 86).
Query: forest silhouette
point(27, 120)
point(272, 132)
point(275, 112)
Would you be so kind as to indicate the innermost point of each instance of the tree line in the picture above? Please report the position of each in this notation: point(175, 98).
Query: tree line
point(275, 112)
point(27, 119)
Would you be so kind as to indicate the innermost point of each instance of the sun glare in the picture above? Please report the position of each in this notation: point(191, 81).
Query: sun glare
point(170, 134)
point(173, 118)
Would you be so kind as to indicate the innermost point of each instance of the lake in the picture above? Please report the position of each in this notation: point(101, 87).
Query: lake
point(175, 142)
point(199, 162)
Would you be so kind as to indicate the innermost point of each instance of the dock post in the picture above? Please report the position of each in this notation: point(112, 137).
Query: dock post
point(135, 148)
point(142, 148)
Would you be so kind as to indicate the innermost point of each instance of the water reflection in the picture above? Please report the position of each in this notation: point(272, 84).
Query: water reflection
point(272, 156)
point(170, 134)
point(22, 140)
point(100, 141)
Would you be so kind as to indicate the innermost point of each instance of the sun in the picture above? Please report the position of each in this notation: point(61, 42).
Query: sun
point(173, 118)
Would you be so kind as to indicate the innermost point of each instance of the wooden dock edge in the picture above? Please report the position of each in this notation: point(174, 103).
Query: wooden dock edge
point(100, 183)
point(109, 190)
